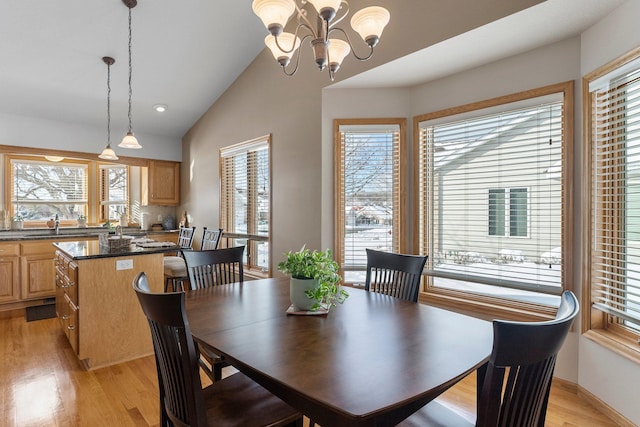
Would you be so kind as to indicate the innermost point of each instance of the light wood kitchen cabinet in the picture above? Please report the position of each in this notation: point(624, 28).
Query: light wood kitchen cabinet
point(67, 297)
point(9, 272)
point(161, 183)
point(37, 272)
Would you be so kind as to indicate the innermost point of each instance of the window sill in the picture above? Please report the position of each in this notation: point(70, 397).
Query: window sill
point(485, 307)
point(619, 344)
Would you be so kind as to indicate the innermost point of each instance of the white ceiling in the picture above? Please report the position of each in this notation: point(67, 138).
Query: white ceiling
point(186, 56)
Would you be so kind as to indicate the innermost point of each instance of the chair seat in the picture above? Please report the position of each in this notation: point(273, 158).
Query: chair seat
point(435, 414)
point(174, 266)
point(238, 401)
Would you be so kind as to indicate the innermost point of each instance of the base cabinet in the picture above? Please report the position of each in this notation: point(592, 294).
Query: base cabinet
point(9, 272)
point(99, 310)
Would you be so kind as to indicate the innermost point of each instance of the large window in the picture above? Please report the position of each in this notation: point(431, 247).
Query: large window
point(245, 199)
point(368, 191)
point(491, 201)
point(613, 209)
point(40, 190)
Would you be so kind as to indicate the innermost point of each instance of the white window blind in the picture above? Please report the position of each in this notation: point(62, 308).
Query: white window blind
point(615, 240)
point(245, 198)
point(368, 194)
point(114, 192)
point(490, 198)
point(40, 190)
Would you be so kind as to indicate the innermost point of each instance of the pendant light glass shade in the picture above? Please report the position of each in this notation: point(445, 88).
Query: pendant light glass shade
point(130, 141)
point(108, 153)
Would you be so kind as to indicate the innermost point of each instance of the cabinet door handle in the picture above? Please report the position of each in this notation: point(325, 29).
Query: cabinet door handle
point(71, 327)
point(65, 317)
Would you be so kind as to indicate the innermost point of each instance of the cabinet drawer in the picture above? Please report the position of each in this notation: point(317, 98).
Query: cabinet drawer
point(9, 249)
point(38, 248)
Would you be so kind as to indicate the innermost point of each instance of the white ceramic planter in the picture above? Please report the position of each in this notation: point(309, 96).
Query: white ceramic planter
point(299, 298)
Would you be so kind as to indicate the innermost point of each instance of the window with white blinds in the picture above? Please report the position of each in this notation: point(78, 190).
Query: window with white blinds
point(40, 190)
point(615, 196)
point(245, 199)
point(491, 201)
point(368, 191)
point(114, 191)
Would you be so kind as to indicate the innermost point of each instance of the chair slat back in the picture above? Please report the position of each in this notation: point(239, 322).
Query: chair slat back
point(181, 397)
point(185, 238)
point(214, 267)
point(397, 275)
point(210, 239)
point(515, 387)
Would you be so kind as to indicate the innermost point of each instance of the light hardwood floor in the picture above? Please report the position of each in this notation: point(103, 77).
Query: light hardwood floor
point(43, 384)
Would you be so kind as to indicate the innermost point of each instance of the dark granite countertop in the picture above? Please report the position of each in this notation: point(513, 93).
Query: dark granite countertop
point(91, 249)
point(76, 233)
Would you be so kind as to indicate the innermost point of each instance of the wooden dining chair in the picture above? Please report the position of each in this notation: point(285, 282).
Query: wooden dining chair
point(234, 401)
point(394, 274)
point(213, 268)
point(513, 388)
point(210, 239)
point(175, 270)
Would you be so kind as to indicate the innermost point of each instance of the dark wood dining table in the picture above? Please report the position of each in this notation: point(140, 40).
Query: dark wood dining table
point(371, 361)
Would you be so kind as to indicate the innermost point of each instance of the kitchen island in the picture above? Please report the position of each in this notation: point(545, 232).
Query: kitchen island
point(96, 303)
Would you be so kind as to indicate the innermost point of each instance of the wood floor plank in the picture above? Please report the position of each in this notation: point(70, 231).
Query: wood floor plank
point(42, 384)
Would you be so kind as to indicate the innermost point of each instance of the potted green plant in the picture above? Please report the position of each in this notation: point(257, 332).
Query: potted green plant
point(315, 282)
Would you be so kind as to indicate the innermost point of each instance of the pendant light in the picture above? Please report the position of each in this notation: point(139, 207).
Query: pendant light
point(108, 153)
point(130, 141)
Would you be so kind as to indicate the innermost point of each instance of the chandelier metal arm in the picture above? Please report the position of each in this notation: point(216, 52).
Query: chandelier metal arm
point(299, 53)
point(295, 38)
point(344, 6)
point(302, 14)
point(360, 58)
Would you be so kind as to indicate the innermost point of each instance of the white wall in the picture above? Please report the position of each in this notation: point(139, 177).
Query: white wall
point(26, 131)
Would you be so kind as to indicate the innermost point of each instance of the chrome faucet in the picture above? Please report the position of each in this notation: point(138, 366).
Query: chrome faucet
point(119, 230)
point(57, 225)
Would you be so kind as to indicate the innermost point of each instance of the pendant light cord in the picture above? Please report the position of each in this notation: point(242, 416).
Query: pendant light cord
point(108, 104)
point(130, 70)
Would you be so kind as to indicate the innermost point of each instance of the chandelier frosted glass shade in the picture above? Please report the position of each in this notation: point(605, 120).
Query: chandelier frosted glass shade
point(274, 13)
point(108, 153)
point(130, 141)
point(369, 23)
point(287, 41)
point(338, 50)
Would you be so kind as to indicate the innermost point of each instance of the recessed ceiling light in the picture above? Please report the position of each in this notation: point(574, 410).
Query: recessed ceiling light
point(160, 108)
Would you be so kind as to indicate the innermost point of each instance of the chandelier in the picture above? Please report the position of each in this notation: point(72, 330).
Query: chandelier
point(328, 52)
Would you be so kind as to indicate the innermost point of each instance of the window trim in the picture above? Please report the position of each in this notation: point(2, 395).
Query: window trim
point(8, 187)
point(99, 167)
point(595, 324)
point(399, 226)
point(488, 305)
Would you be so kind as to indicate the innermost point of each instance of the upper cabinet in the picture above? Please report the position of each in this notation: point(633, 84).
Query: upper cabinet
point(161, 183)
